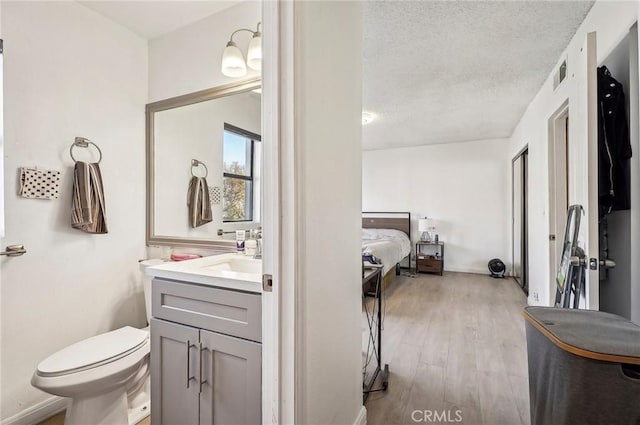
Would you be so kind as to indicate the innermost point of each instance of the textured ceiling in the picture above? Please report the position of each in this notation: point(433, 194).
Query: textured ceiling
point(153, 18)
point(440, 72)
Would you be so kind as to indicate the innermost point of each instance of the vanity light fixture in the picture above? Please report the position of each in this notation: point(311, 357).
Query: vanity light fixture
point(367, 117)
point(233, 63)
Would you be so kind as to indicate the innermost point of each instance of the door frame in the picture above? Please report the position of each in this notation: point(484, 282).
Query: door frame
point(279, 361)
point(557, 166)
point(587, 95)
point(524, 247)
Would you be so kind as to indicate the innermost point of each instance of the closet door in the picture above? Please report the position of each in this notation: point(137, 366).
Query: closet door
point(231, 380)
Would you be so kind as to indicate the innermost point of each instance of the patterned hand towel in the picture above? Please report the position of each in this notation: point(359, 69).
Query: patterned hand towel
point(39, 184)
point(88, 206)
point(198, 202)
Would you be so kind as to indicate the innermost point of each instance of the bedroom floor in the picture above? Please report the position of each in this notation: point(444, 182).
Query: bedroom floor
point(455, 342)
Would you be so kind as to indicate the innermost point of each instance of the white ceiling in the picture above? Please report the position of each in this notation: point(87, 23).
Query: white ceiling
point(441, 72)
point(153, 18)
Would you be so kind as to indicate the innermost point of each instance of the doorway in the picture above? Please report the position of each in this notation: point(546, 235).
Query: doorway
point(618, 222)
point(520, 255)
point(558, 183)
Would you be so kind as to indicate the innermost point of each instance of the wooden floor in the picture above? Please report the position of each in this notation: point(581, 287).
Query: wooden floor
point(454, 344)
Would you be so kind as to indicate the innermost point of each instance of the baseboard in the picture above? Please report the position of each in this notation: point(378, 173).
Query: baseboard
point(484, 271)
point(38, 412)
point(362, 417)
point(467, 270)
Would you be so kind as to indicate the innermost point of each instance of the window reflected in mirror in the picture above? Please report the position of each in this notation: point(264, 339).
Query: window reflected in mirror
point(239, 164)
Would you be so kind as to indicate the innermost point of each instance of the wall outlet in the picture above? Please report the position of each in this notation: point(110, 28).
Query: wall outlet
point(535, 297)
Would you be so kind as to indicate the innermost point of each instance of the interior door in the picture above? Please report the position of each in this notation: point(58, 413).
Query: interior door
point(558, 184)
point(583, 158)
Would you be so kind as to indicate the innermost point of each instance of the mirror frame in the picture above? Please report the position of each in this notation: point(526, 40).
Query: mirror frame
point(171, 103)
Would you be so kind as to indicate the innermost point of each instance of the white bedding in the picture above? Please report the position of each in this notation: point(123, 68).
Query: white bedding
point(389, 245)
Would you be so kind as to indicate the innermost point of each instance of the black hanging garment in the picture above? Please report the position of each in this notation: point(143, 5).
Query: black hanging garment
point(614, 146)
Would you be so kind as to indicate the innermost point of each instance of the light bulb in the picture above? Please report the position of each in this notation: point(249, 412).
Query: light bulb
point(233, 64)
point(254, 52)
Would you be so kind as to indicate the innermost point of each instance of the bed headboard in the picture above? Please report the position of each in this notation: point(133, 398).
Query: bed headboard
point(387, 220)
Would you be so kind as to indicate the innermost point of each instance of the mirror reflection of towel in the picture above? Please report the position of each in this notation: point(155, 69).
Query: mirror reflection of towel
point(87, 204)
point(198, 202)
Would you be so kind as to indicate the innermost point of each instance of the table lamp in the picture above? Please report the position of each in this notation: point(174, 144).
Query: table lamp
point(426, 226)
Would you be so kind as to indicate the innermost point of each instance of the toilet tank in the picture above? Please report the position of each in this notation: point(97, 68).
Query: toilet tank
point(146, 283)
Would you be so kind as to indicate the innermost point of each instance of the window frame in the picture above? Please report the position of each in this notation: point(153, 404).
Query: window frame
point(253, 137)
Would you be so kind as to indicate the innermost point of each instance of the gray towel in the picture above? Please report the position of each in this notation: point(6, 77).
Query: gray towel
point(198, 202)
point(87, 205)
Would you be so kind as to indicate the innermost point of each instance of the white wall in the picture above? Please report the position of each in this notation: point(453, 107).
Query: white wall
point(328, 174)
point(69, 72)
point(1, 195)
point(196, 131)
point(189, 59)
point(2, 230)
point(463, 186)
point(612, 21)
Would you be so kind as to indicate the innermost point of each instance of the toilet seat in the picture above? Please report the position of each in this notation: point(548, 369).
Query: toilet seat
point(93, 352)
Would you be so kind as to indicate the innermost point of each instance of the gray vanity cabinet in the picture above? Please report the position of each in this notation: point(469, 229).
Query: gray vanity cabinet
point(201, 373)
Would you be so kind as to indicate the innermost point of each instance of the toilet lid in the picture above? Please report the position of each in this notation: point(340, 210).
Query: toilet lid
point(94, 351)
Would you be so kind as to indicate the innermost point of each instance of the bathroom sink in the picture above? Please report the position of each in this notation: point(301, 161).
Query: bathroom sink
point(235, 271)
point(237, 264)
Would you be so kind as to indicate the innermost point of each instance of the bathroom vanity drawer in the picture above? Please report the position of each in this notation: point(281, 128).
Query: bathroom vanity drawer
point(220, 310)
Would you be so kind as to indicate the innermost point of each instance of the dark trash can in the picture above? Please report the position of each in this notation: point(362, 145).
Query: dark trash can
point(584, 367)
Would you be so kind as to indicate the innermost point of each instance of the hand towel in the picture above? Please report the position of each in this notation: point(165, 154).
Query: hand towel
point(88, 206)
point(39, 184)
point(198, 202)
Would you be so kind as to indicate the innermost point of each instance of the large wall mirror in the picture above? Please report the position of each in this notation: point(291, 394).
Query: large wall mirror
point(204, 160)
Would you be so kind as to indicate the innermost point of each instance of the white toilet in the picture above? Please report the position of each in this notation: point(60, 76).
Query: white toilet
point(106, 377)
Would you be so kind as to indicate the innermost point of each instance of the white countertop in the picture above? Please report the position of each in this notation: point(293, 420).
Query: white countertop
point(231, 271)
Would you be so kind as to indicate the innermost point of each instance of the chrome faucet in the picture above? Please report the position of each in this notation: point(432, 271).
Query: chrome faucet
point(257, 234)
point(258, 254)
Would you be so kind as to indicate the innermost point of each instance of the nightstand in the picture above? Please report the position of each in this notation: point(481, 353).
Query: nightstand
point(430, 257)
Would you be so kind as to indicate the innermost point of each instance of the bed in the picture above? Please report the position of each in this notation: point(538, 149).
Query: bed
point(387, 235)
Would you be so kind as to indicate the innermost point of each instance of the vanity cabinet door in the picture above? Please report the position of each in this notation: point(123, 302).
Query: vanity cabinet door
point(231, 368)
point(175, 371)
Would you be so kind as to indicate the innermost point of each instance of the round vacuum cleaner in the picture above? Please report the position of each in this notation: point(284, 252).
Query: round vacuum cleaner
point(497, 268)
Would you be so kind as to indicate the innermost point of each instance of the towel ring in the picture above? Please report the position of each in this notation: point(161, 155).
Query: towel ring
point(195, 163)
point(81, 142)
